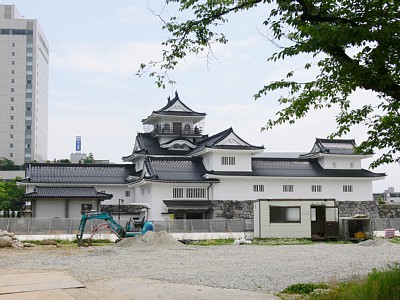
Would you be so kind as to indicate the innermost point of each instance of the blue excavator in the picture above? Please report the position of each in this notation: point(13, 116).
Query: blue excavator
point(132, 227)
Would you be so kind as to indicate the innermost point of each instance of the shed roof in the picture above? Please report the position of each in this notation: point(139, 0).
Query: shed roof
point(67, 192)
point(78, 173)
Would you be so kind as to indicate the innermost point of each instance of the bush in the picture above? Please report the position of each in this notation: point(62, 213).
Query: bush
point(304, 288)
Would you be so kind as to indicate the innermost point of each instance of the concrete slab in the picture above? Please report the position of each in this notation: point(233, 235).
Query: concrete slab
point(38, 295)
point(29, 282)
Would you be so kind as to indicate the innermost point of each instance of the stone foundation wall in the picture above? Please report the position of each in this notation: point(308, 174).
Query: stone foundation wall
point(230, 209)
point(351, 208)
point(389, 210)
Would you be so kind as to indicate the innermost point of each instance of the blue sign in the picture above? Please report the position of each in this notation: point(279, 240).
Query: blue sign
point(78, 144)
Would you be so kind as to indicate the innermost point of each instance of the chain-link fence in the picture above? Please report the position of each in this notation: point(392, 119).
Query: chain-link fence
point(58, 226)
point(380, 224)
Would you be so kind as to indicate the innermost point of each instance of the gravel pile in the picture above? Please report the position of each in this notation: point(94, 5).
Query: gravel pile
point(246, 267)
point(151, 239)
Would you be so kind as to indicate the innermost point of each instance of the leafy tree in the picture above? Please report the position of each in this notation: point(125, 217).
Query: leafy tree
point(354, 44)
point(6, 164)
point(89, 159)
point(65, 161)
point(11, 196)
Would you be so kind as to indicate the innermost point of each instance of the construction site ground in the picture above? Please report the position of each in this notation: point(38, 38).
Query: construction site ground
point(166, 269)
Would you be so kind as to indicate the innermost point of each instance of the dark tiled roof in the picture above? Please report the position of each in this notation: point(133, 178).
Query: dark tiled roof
point(152, 146)
point(170, 103)
point(212, 141)
point(67, 192)
point(188, 204)
point(333, 146)
point(302, 168)
point(79, 173)
point(176, 169)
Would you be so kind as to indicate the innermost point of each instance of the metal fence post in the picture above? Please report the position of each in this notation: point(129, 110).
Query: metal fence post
point(191, 225)
point(29, 226)
point(50, 226)
point(227, 224)
point(8, 225)
point(211, 229)
point(70, 226)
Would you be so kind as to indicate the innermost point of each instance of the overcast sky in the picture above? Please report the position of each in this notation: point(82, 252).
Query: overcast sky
point(96, 47)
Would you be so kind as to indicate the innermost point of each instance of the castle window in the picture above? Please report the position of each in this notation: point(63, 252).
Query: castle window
point(316, 188)
point(186, 129)
point(287, 188)
point(166, 128)
point(228, 160)
point(347, 189)
point(258, 188)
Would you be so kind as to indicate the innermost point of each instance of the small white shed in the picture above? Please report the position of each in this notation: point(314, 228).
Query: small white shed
point(296, 218)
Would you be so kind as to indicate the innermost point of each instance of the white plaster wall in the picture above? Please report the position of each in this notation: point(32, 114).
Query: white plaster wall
point(212, 161)
point(118, 192)
point(341, 162)
point(50, 208)
point(242, 189)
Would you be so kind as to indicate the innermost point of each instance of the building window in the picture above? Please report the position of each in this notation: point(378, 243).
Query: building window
point(11, 107)
point(258, 188)
point(12, 72)
point(11, 118)
point(11, 154)
point(316, 188)
point(186, 129)
point(11, 136)
point(12, 99)
point(12, 81)
point(12, 90)
point(13, 44)
point(289, 214)
point(127, 193)
point(196, 193)
point(189, 193)
point(287, 188)
point(347, 189)
point(177, 193)
point(12, 53)
point(11, 126)
point(11, 145)
point(12, 62)
point(228, 161)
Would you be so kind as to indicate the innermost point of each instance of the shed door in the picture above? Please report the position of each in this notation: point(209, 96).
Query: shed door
point(331, 222)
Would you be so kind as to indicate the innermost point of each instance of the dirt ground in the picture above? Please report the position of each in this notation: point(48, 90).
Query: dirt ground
point(130, 287)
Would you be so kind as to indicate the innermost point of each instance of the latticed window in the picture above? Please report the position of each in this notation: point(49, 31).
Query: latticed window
point(288, 188)
point(316, 188)
point(228, 161)
point(189, 193)
point(347, 188)
point(177, 193)
point(258, 188)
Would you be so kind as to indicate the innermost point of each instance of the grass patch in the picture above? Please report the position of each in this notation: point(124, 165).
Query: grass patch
point(69, 243)
point(395, 240)
point(281, 241)
point(305, 288)
point(379, 284)
point(216, 242)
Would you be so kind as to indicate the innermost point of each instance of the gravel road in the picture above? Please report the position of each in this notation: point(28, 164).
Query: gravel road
point(264, 269)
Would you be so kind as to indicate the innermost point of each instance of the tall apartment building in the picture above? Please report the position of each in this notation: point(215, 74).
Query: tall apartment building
point(24, 77)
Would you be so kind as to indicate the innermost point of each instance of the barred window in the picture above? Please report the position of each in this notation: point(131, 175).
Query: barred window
point(316, 188)
point(347, 188)
point(258, 188)
point(287, 188)
point(196, 193)
point(228, 160)
point(189, 193)
point(177, 193)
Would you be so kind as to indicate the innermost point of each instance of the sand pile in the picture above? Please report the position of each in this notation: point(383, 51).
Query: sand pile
point(151, 239)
